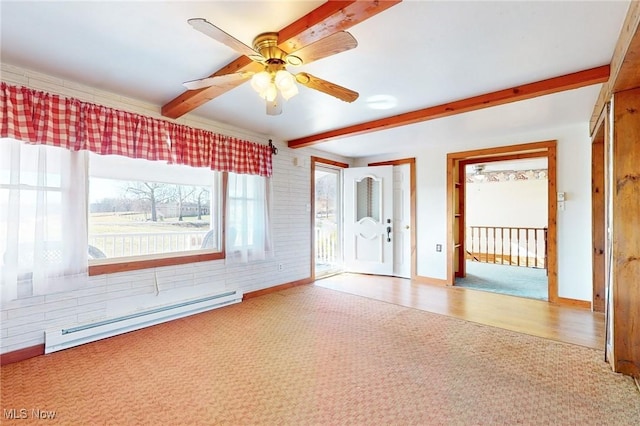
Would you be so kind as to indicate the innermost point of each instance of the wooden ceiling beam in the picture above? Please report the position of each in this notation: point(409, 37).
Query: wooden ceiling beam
point(514, 94)
point(625, 63)
point(325, 20)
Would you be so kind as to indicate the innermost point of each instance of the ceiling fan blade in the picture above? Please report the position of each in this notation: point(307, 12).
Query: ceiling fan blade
point(330, 45)
point(218, 80)
point(217, 34)
point(327, 87)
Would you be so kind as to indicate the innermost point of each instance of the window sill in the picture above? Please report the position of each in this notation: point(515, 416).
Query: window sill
point(123, 264)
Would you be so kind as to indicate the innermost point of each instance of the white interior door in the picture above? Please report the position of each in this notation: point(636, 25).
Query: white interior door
point(402, 221)
point(368, 220)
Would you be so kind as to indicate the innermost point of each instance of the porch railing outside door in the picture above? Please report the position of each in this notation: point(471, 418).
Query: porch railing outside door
point(507, 245)
point(327, 247)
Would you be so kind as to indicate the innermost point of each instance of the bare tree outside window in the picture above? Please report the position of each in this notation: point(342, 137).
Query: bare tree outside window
point(152, 193)
point(182, 194)
point(325, 194)
point(201, 196)
point(142, 208)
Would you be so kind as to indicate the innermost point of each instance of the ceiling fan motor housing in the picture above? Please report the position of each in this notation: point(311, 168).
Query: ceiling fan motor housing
point(267, 45)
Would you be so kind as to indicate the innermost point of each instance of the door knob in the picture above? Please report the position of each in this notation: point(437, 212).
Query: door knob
point(406, 227)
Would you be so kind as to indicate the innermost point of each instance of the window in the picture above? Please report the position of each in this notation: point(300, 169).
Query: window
point(248, 234)
point(64, 214)
point(42, 218)
point(141, 209)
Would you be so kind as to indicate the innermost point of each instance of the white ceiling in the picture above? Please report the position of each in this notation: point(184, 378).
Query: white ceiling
point(421, 53)
point(508, 165)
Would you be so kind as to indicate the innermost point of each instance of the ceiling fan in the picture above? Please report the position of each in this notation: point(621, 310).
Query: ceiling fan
point(275, 84)
point(478, 172)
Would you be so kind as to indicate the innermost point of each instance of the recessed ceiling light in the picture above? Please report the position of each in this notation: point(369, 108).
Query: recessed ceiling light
point(381, 102)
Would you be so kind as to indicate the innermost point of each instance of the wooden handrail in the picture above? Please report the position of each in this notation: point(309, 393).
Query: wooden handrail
point(508, 245)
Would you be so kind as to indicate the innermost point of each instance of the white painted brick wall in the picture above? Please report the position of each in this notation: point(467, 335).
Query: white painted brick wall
point(24, 321)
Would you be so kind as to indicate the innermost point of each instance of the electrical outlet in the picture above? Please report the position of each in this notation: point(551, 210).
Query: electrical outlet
point(280, 267)
point(438, 247)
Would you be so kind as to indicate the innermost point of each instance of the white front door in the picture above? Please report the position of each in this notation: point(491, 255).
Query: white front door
point(368, 220)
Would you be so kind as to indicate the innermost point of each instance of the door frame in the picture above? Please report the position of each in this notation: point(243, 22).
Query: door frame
point(314, 161)
point(455, 204)
point(412, 202)
point(598, 219)
point(412, 176)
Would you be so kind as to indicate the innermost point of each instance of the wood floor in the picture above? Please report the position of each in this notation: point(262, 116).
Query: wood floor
point(538, 318)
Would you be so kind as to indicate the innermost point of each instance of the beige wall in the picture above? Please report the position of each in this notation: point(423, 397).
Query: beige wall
point(520, 203)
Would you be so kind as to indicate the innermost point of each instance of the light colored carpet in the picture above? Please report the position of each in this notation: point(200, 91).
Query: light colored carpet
point(313, 356)
point(506, 279)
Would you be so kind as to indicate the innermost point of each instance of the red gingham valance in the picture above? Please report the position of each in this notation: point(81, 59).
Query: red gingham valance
point(42, 118)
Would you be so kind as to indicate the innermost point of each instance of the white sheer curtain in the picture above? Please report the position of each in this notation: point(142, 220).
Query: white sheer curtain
point(43, 219)
point(248, 218)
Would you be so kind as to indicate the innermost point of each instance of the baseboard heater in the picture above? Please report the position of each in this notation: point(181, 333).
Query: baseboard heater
point(59, 339)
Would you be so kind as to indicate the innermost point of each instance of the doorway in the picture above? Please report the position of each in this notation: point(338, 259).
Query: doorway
point(326, 187)
point(381, 240)
point(505, 227)
point(456, 208)
point(401, 186)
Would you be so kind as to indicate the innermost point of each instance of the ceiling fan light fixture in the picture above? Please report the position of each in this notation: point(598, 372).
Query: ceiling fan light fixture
point(269, 83)
point(289, 92)
point(271, 93)
point(478, 172)
point(286, 82)
point(261, 81)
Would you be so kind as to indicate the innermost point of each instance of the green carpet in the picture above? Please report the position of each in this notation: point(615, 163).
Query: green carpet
point(505, 279)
